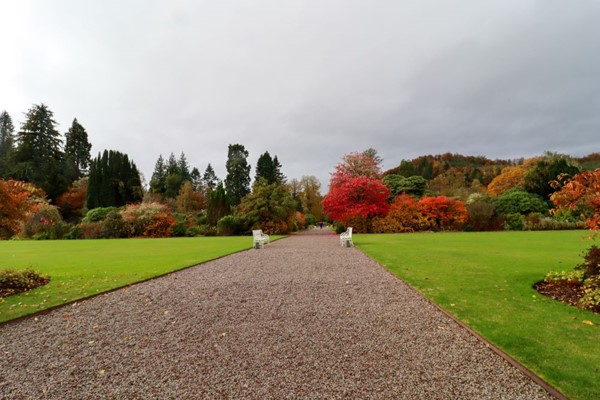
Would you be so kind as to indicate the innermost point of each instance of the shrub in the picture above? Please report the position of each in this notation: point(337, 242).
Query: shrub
point(404, 216)
point(149, 219)
point(443, 212)
point(98, 214)
point(591, 265)
point(114, 227)
point(310, 220)
point(44, 223)
point(13, 282)
point(180, 230)
point(76, 232)
point(591, 299)
point(481, 213)
point(91, 230)
point(550, 224)
point(517, 201)
point(205, 230)
point(514, 222)
point(228, 226)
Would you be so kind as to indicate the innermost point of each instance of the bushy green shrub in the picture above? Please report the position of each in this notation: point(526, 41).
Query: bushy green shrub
point(517, 201)
point(229, 226)
point(180, 230)
point(13, 282)
point(310, 219)
point(514, 222)
point(74, 233)
point(98, 214)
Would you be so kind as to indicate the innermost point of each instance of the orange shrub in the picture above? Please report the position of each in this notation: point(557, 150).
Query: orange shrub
point(443, 212)
point(404, 216)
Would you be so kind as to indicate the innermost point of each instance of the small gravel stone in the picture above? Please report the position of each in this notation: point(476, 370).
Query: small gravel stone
point(302, 318)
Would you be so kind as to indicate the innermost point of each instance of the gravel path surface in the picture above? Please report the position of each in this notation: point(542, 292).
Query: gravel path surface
point(301, 318)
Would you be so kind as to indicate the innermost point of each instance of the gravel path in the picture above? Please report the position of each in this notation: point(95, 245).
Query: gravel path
point(301, 318)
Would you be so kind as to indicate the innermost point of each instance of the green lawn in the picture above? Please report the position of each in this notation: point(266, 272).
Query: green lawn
point(80, 268)
point(485, 279)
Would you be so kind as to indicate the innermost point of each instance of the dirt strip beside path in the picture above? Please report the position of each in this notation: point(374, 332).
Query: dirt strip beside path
point(302, 318)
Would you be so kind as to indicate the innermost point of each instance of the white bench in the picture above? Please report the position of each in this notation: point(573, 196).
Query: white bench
point(346, 238)
point(260, 239)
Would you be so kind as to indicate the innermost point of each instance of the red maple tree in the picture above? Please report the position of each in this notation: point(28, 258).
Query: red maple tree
point(356, 190)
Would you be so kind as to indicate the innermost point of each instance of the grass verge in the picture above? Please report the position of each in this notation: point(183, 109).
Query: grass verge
point(81, 268)
point(485, 280)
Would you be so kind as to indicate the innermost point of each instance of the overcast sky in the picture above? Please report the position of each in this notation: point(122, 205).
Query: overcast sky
point(309, 81)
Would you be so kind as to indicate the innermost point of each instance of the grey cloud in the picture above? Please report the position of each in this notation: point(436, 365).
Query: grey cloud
point(310, 81)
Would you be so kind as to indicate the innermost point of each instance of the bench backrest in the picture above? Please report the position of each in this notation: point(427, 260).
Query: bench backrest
point(257, 233)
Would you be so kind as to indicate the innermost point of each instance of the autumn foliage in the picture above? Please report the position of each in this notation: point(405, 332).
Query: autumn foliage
point(17, 199)
point(437, 213)
point(356, 190)
point(404, 216)
point(582, 195)
point(443, 213)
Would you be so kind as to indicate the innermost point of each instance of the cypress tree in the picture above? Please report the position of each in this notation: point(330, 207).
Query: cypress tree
point(114, 181)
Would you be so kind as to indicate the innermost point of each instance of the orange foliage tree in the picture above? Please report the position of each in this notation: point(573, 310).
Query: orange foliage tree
point(510, 178)
point(71, 202)
point(17, 199)
point(582, 195)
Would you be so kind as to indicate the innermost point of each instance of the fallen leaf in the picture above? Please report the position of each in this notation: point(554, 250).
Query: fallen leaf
point(587, 322)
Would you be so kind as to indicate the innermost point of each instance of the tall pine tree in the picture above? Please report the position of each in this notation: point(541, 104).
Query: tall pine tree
point(209, 179)
point(237, 182)
point(279, 176)
point(7, 130)
point(77, 151)
point(265, 168)
point(38, 157)
point(158, 182)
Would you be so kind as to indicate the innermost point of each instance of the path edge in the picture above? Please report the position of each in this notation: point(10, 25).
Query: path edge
point(50, 309)
point(512, 361)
